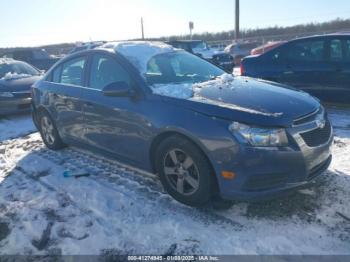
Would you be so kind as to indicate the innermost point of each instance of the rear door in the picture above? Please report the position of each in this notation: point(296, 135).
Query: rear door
point(339, 56)
point(306, 66)
point(65, 87)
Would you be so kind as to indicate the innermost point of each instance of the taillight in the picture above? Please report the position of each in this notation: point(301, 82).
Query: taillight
point(242, 69)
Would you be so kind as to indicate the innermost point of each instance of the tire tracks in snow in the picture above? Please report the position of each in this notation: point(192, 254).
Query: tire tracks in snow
point(117, 177)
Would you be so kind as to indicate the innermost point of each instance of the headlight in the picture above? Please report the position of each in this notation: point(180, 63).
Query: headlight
point(256, 136)
point(6, 94)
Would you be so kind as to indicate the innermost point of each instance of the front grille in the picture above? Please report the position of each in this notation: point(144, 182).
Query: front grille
point(318, 136)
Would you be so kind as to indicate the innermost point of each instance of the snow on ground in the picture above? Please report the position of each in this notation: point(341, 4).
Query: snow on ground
point(117, 210)
point(15, 126)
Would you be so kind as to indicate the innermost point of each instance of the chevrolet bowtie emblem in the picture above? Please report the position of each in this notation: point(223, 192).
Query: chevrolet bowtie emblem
point(321, 123)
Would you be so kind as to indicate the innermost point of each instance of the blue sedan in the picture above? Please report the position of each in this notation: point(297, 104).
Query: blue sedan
point(204, 132)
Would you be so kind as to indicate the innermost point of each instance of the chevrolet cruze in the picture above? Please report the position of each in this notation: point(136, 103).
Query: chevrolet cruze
point(204, 132)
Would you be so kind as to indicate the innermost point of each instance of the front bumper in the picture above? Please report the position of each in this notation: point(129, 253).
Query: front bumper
point(265, 173)
point(14, 105)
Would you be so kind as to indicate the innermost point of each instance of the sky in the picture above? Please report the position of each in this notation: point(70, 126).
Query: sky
point(40, 22)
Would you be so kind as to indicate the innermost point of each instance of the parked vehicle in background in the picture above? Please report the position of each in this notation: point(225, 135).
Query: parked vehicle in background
point(86, 46)
point(206, 133)
point(217, 47)
point(266, 47)
point(37, 57)
point(16, 78)
point(319, 65)
point(201, 49)
point(238, 50)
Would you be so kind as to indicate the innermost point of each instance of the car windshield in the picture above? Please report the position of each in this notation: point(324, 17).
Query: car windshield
point(17, 68)
point(180, 67)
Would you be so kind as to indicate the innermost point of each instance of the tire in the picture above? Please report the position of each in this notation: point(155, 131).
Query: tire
point(184, 171)
point(48, 131)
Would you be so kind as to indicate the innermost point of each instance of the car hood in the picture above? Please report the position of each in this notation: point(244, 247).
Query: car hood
point(250, 101)
point(18, 85)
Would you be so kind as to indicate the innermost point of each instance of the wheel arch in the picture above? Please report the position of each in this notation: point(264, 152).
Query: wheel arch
point(169, 133)
point(36, 111)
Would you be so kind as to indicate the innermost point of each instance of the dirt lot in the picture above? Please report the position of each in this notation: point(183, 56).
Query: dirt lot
point(118, 210)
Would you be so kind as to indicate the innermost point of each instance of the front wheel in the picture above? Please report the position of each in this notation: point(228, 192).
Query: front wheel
point(184, 171)
point(49, 132)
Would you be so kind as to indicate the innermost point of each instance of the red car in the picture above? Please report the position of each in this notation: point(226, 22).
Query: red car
point(266, 47)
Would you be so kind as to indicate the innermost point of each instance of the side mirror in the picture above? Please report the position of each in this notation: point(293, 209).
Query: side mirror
point(117, 89)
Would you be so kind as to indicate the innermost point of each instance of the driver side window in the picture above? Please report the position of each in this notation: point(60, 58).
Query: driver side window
point(105, 70)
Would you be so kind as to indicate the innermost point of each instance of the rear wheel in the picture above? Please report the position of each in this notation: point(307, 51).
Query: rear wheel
point(49, 132)
point(184, 171)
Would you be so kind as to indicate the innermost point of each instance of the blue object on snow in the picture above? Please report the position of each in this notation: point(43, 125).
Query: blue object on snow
point(76, 175)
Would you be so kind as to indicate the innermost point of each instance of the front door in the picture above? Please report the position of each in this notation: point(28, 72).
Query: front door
point(115, 124)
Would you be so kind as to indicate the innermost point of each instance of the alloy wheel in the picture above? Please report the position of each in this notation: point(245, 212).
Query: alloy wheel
point(181, 172)
point(47, 130)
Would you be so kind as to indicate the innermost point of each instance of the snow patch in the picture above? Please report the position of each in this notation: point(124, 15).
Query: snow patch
point(15, 126)
point(182, 91)
point(13, 76)
point(188, 90)
point(139, 52)
point(191, 91)
point(117, 209)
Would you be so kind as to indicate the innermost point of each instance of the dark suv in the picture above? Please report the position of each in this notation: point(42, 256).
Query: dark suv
point(319, 65)
point(165, 110)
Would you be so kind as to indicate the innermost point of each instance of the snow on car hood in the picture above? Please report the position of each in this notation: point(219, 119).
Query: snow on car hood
point(192, 92)
point(243, 94)
point(139, 52)
point(12, 76)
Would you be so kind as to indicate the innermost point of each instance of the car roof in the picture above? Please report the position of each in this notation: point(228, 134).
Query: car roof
point(137, 53)
point(341, 34)
point(185, 41)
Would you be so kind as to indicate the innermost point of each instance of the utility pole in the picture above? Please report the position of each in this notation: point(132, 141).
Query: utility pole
point(191, 26)
point(237, 21)
point(142, 31)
